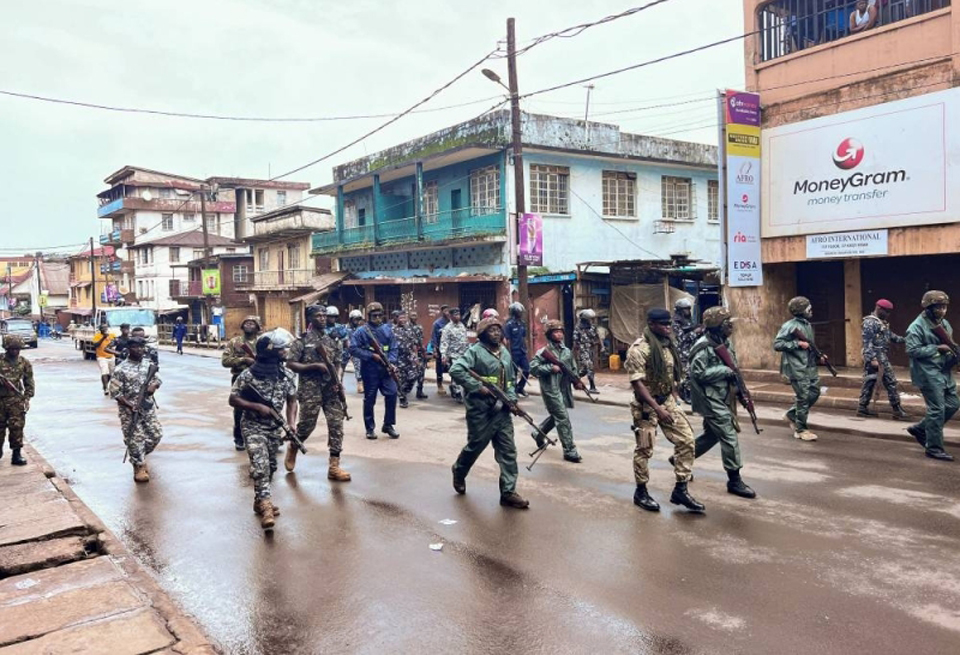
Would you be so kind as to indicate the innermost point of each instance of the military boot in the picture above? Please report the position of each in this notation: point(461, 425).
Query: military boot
point(514, 500)
point(939, 453)
point(459, 484)
point(140, 473)
point(918, 433)
point(256, 507)
point(420, 394)
point(642, 499)
point(265, 510)
point(336, 473)
point(573, 456)
point(539, 439)
point(864, 411)
point(290, 459)
point(390, 431)
point(737, 487)
point(403, 401)
point(899, 414)
point(681, 496)
point(17, 459)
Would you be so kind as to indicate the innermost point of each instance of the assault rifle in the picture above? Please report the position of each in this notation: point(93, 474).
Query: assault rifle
point(800, 336)
point(137, 409)
point(743, 394)
point(378, 350)
point(947, 340)
point(246, 348)
point(578, 384)
point(322, 352)
point(516, 410)
point(252, 394)
point(8, 384)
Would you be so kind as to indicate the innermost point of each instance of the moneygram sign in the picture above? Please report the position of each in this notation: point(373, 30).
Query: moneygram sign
point(880, 167)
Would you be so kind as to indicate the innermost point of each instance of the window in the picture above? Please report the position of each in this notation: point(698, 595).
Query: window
point(675, 198)
point(361, 217)
point(241, 273)
point(140, 289)
point(166, 222)
point(167, 194)
point(713, 201)
point(198, 253)
point(293, 257)
point(249, 194)
point(619, 194)
point(174, 254)
point(231, 250)
point(264, 259)
point(258, 198)
point(549, 189)
point(281, 198)
point(485, 190)
point(213, 222)
point(189, 218)
point(349, 214)
point(431, 202)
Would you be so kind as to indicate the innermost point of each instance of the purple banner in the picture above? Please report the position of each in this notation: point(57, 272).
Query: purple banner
point(743, 108)
point(531, 240)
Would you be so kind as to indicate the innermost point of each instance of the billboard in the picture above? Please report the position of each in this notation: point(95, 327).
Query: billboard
point(531, 240)
point(211, 282)
point(741, 143)
point(880, 167)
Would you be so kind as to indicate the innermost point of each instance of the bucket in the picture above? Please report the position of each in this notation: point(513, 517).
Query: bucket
point(614, 362)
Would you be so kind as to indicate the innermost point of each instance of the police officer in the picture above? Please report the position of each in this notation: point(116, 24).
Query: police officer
point(375, 372)
point(556, 390)
point(516, 333)
point(798, 365)
point(355, 322)
point(586, 344)
point(141, 433)
point(16, 390)
point(653, 364)
point(877, 338)
point(685, 331)
point(931, 370)
point(238, 355)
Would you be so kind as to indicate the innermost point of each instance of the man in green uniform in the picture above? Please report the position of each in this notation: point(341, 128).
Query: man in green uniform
point(238, 356)
point(556, 390)
point(799, 365)
point(487, 420)
point(931, 370)
point(653, 364)
point(714, 396)
point(16, 390)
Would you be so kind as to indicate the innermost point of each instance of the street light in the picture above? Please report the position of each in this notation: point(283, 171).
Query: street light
point(492, 76)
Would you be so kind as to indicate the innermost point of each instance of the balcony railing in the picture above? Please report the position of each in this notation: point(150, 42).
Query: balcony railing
point(457, 224)
point(120, 205)
point(110, 238)
point(292, 278)
point(111, 267)
point(186, 289)
point(292, 224)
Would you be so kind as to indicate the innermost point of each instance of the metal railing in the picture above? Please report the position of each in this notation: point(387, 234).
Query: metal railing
point(788, 26)
point(285, 279)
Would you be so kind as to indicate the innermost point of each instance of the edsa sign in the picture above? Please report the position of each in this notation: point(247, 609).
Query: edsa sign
point(880, 167)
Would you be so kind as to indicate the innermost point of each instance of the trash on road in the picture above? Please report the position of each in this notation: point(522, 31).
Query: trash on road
point(448, 522)
point(436, 547)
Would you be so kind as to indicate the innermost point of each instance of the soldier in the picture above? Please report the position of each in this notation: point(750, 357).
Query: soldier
point(435, 334)
point(141, 431)
point(453, 343)
point(421, 355)
point(272, 383)
point(877, 337)
point(516, 333)
point(685, 331)
point(318, 389)
point(407, 356)
point(339, 338)
point(931, 370)
point(16, 390)
point(238, 356)
point(356, 321)
point(375, 372)
point(714, 397)
point(586, 343)
point(798, 365)
point(149, 350)
point(653, 364)
point(486, 422)
point(556, 390)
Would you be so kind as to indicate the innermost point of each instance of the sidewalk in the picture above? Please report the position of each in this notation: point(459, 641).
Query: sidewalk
point(67, 585)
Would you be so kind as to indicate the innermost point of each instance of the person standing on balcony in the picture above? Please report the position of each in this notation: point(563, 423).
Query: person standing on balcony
point(356, 320)
point(863, 17)
point(179, 332)
point(438, 326)
point(376, 370)
point(238, 356)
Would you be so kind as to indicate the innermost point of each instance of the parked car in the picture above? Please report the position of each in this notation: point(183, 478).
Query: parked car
point(22, 328)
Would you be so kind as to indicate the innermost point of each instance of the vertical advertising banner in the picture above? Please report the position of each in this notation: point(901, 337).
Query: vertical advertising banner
point(211, 282)
point(531, 240)
point(742, 148)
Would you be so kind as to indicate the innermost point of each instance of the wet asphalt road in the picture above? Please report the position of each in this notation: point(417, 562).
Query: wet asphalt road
point(851, 548)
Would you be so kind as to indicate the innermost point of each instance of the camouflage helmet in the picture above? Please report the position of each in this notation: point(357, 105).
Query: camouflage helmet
point(374, 307)
point(313, 310)
point(798, 305)
point(276, 340)
point(12, 342)
point(254, 319)
point(551, 326)
point(715, 316)
point(487, 323)
point(931, 298)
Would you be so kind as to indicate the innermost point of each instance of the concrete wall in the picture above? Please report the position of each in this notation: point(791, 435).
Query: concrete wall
point(759, 312)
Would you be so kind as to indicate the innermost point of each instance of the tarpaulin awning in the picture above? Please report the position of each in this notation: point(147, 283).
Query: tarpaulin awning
point(79, 285)
point(322, 285)
point(629, 305)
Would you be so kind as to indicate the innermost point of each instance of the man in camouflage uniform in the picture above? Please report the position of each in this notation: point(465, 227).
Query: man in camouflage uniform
point(435, 333)
point(453, 343)
point(408, 356)
point(421, 355)
point(339, 338)
point(931, 370)
point(798, 365)
point(239, 356)
point(487, 420)
point(275, 385)
point(586, 345)
point(653, 364)
point(877, 337)
point(142, 431)
point(318, 389)
point(556, 390)
point(17, 373)
point(355, 323)
point(685, 331)
point(714, 394)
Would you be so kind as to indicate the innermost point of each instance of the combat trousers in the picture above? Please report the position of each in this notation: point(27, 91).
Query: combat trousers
point(13, 418)
point(807, 391)
point(559, 418)
point(522, 364)
point(312, 402)
point(378, 381)
point(237, 415)
point(680, 434)
point(438, 363)
point(720, 429)
point(142, 438)
point(483, 429)
point(942, 404)
point(870, 382)
point(262, 447)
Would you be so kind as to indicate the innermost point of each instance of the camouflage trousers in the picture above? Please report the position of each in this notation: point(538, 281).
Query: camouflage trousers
point(262, 446)
point(585, 363)
point(870, 382)
point(142, 438)
point(13, 418)
point(356, 368)
point(312, 402)
point(680, 434)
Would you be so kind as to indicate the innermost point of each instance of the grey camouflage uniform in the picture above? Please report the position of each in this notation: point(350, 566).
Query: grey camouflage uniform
point(586, 344)
point(317, 392)
point(877, 338)
point(126, 382)
point(421, 354)
point(453, 344)
point(685, 332)
point(408, 356)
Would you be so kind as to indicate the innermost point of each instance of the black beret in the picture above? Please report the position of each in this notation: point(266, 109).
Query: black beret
point(136, 341)
point(657, 314)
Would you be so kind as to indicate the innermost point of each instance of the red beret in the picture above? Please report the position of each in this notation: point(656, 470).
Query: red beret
point(883, 303)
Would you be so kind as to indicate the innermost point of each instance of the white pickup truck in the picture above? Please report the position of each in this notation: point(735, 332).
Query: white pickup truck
point(114, 317)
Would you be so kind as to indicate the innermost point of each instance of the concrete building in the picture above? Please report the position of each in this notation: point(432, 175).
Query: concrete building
point(203, 306)
point(859, 196)
point(106, 268)
point(430, 221)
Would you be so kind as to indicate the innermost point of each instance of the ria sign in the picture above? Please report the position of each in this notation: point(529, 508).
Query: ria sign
point(849, 154)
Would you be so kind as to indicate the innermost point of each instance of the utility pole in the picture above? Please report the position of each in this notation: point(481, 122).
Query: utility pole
point(518, 183)
point(207, 300)
point(93, 284)
point(10, 288)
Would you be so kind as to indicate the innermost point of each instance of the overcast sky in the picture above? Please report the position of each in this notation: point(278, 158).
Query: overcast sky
point(274, 58)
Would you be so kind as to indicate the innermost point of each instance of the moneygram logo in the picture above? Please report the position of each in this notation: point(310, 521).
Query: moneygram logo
point(745, 174)
point(849, 154)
